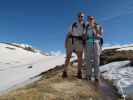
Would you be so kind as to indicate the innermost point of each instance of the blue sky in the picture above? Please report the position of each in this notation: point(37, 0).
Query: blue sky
point(44, 23)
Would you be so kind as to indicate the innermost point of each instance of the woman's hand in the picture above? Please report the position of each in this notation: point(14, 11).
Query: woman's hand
point(96, 33)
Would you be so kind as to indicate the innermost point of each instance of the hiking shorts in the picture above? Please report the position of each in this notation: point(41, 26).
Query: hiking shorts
point(74, 45)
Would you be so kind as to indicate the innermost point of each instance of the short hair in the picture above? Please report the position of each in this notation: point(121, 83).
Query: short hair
point(80, 14)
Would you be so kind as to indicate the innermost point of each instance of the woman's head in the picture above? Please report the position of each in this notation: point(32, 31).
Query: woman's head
point(91, 19)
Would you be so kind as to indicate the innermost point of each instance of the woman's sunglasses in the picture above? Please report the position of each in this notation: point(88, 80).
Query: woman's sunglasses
point(91, 18)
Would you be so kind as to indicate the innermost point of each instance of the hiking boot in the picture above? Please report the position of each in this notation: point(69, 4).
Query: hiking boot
point(96, 80)
point(64, 75)
point(89, 78)
point(79, 75)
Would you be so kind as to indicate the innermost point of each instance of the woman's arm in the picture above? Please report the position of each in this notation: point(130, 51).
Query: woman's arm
point(97, 31)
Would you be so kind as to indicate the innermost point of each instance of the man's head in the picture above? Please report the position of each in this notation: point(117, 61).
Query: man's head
point(81, 16)
point(91, 19)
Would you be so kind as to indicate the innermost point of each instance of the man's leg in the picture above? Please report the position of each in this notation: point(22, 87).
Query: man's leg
point(79, 55)
point(67, 61)
point(69, 50)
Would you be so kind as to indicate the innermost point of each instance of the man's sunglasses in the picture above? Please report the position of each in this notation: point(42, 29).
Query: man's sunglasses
point(81, 16)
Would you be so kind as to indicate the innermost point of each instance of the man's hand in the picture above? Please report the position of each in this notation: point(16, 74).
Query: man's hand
point(65, 45)
point(84, 37)
point(66, 40)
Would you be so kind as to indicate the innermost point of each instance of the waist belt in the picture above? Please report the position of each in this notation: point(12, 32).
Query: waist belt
point(75, 37)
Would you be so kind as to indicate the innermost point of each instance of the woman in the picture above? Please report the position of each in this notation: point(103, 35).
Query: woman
point(92, 48)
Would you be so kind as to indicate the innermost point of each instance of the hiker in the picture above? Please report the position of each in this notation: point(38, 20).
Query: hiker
point(74, 43)
point(93, 48)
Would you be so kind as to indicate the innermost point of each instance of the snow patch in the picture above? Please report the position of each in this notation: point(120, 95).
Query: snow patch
point(111, 46)
point(125, 48)
point(18, 65)
point(121, 74)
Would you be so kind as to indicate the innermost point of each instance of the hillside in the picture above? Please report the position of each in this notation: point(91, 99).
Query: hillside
point(117, 53)
point(19, 65)
point(116, 63)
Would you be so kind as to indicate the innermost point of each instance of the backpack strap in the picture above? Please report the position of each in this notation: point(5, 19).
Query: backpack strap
point(83, 26)
point(74, 25)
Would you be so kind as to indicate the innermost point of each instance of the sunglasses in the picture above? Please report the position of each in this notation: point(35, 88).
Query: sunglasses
point(81, 16)
point(91, 18)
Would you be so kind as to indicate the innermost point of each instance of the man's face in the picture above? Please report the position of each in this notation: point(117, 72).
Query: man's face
point(81, 18)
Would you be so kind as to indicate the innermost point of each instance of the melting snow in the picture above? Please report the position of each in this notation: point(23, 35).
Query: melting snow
point(121, 73)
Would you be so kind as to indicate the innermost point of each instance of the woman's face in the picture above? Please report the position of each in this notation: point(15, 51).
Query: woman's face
point(91, 20)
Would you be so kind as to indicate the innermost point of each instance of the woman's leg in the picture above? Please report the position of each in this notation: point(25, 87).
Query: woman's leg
point(90, 62)
point(96, 60)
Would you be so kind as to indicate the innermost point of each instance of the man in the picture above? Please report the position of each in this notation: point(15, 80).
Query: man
point(93, 48)
point(74, 43)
